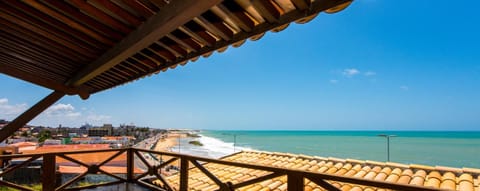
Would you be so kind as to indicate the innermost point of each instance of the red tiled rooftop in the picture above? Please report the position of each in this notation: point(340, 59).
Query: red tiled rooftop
point(88, 158)
point(76, 147)
point(24, 144)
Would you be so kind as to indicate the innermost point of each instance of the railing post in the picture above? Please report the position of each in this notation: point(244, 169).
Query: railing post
point(295, 182)
point(183, 173)
point(49, 172)
point(130, 164)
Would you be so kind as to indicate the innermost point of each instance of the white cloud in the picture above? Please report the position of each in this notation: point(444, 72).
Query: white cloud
point(404, 88)
point(333, 81)
point(62, 110)
point(9, 111)
point(370, 73)
point(61, 113)
point(68, 115)
point(350, 72)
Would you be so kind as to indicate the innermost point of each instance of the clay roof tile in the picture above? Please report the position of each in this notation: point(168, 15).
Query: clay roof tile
point(405, 177)
point(362, 172)
point(433, 179)
point(448, 181)
point(353, 170)
point(418, 178)
point(275, 184)
point(465, 182)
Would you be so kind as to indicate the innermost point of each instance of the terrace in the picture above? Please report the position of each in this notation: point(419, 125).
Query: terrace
point(236, 172)
point(79, 47)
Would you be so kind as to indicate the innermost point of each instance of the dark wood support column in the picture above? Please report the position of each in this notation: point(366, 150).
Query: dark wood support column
point(183, 173)
point(295, 182)
point(49, 171)
point(28, 115)
point(130, 165)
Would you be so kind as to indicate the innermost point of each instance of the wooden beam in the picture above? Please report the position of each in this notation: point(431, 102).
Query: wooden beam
point(130, 165)
point(183, 173)
point(324, 184)
point(28, 115)
point(194, 35)
point(316, 7)
point(48, 172)
point(295, 182)
point(209, 174)
point(164, 22)
point(47, 83)
point(216, 28)
point(237, 15)
point(267, 10)
point(257, 180)
point(301, 4)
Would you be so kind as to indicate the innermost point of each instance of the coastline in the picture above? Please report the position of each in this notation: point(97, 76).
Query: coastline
point(408, 147)
point(210, 147)
point(166, 143)
point(437, 148)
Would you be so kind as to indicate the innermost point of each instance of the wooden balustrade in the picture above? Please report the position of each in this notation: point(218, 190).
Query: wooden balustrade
point(295, 178)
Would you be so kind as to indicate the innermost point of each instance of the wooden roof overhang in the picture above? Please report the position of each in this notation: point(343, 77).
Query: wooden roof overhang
point(80, 47)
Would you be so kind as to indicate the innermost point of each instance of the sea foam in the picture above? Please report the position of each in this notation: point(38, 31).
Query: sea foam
point(212, 147)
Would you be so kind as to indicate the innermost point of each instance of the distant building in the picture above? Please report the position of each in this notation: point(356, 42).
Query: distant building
point(52, 142)
point(106, 130)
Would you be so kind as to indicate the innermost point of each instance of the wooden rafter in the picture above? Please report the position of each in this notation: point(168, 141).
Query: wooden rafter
point(156, 27)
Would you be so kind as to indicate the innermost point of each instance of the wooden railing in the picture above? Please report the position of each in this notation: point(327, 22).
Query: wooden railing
point(134, 156)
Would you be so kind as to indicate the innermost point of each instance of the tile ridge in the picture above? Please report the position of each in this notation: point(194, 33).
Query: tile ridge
point(421, 167)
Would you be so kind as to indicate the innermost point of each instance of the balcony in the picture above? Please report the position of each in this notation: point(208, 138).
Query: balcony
point(138, 170)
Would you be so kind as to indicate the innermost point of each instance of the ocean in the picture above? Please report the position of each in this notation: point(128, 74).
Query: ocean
point(434, 148)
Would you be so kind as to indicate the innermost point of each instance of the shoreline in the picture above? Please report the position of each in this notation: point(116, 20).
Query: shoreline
point(168, 142)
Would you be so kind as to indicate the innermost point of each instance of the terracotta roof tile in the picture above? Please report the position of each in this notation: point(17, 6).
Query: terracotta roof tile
point(405, 177)
point(433, 179)
point(465, 182)
point(353, 170)
point(418, 178)
point(448, 181)
point(362, 172)
point(437, 177)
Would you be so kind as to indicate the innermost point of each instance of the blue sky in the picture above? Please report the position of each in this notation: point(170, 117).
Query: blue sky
point(394, 65)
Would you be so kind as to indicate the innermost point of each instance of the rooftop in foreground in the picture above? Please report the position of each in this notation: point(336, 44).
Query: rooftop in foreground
point(464, 179)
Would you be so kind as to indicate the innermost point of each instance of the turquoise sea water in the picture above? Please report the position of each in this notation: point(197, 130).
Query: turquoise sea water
point(455, 149)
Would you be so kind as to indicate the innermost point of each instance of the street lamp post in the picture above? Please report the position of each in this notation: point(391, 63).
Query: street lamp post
point(388, 144)
point(178, 141)
point(234, 140)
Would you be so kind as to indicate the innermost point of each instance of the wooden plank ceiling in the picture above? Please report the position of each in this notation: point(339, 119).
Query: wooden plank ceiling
point(80, 47)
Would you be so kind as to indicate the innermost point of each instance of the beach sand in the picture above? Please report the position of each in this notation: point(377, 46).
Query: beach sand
point(166, 144)
point(171, 140)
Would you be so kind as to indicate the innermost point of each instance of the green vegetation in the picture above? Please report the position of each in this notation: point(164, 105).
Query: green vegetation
point(33, 187)
point(197, 143)
point(193, 135)
point(44, 135)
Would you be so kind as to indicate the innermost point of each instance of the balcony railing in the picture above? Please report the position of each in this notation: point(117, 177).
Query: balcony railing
point(143, 176)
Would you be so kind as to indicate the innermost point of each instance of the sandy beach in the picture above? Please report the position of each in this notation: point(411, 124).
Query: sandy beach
point(170, 141)
point(167, 143)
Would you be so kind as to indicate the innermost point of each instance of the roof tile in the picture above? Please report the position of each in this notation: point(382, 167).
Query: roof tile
point(433, 179)
point(437, 177)
point(448, 181)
